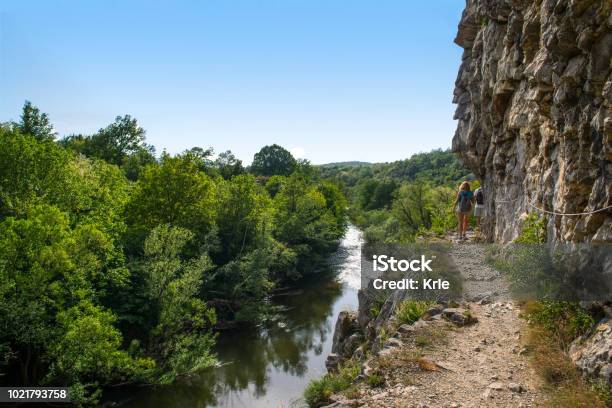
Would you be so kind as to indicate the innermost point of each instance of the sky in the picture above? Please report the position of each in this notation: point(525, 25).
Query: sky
point(330, 80)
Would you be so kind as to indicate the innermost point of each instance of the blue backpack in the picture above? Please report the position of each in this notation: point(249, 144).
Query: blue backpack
point(465, 204)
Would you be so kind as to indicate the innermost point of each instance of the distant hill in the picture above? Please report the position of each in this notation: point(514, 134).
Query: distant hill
point(438, 167)
point(346, 164)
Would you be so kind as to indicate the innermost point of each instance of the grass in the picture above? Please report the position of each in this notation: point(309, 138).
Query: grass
point(352, 392)
point(422, 341)
point(405, 360)
point(409, 311)
point(564, 321)
point(383, 336)
point(552, 327)
point(377, 304)
point(318, 391)
point(376, 380)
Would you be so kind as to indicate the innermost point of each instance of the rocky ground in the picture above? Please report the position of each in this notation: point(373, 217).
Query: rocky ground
point(448, 360)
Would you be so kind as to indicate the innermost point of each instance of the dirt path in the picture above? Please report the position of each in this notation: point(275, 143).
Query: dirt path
point(482, 365)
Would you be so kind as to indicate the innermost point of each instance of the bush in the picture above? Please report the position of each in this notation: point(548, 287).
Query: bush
point(533, 231)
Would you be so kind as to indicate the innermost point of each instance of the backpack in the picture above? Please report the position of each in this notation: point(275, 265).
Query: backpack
point(465, 204)
point(479, 197)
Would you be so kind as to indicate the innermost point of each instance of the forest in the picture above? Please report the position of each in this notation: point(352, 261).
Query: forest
point(118, 266)
point(402, 200)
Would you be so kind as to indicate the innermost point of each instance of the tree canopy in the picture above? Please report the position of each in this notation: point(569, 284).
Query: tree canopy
point(273, 160)
point(117, 266)
point(35, 123)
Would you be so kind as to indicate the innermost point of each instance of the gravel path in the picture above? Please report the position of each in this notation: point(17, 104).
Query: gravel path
point(480, 280)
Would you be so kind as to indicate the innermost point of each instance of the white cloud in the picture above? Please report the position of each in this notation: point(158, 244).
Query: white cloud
point(298, 152)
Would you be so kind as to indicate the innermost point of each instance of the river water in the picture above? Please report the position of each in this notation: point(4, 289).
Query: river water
point(270, 366)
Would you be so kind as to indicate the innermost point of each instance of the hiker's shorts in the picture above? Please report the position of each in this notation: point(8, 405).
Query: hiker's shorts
point(479, 211)
point(458, 211)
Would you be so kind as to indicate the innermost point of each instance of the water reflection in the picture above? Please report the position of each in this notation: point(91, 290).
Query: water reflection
point(270, 366)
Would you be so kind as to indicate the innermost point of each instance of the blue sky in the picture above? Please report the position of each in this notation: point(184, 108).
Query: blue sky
point(332, 80)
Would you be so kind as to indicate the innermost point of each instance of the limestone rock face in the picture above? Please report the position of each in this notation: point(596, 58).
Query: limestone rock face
point(534, 102)
point(593, 354)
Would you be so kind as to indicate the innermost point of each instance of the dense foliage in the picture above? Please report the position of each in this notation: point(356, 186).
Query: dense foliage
point(396, 202)
point(117, 266)
point(273, 160)
point(439, 167)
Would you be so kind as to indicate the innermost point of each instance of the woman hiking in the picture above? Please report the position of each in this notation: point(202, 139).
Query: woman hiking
point(463, 207)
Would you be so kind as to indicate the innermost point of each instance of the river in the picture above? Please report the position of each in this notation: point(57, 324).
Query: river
point(269, 366)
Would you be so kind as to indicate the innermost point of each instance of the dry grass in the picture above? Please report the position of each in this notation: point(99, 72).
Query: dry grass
point(405, 361)
point(563, 386)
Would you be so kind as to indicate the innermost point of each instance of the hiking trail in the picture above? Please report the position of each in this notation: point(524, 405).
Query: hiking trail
point(478, 365)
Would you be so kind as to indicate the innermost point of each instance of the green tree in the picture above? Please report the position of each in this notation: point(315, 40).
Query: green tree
point(274, 184)
point(243, 216)
point(119, 139)
point(46, 268)
point(31, 172)
point(202, 158)
point(95, 193)
point(181, 336)
point(134, 164)
point(273, 160)
point(35, 123)
point(246, 282)
point(228, 165)
point(305, 223)
point(411, 208)
point(335, 201)
point(87, 354)
point(114, 143)
point(440, 200)
point(244, 220)
point(174, 192)
point(374, 194)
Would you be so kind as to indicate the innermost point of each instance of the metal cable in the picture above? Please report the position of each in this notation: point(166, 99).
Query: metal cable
point(557, 213)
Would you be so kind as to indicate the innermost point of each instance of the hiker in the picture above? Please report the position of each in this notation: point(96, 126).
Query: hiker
point(479, 209)
point(463, 207)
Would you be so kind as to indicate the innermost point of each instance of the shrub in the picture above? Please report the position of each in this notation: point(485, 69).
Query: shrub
point(409, 311)
point(533, 231)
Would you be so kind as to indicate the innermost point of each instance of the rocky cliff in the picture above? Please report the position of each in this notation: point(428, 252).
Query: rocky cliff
point(534, 100)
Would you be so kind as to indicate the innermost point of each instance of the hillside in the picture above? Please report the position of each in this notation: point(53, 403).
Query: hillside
point(436, 167)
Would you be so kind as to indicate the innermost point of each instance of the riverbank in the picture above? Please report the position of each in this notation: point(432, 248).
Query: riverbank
point(271, 364)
